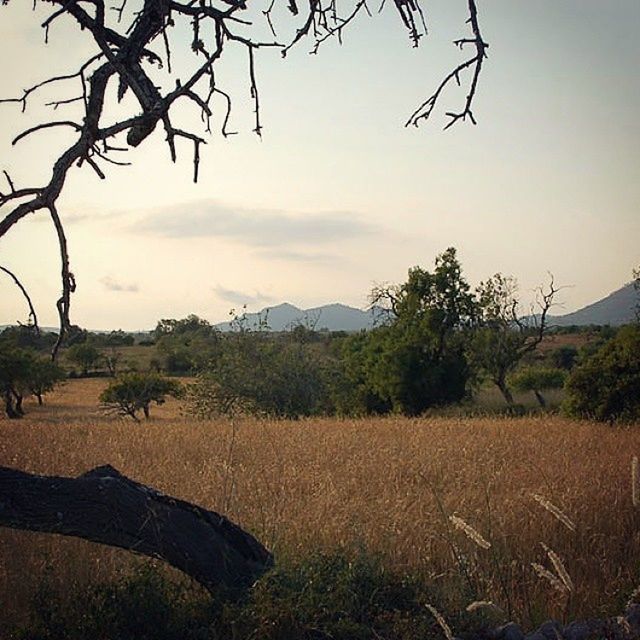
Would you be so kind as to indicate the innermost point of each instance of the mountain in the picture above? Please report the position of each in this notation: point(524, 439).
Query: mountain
point(615, 309)
point(334, 317)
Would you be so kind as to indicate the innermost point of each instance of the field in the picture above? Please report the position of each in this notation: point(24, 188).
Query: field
point(385, 485)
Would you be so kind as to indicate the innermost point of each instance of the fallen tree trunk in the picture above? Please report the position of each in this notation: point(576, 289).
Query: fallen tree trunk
point(104, 506)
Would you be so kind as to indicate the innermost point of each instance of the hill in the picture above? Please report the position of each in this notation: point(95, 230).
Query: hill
point(332, 317)
point(616, 309)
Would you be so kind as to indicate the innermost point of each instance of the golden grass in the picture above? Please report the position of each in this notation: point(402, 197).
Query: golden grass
point(386, 484)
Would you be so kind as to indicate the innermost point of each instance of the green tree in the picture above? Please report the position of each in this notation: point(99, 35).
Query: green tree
point(418, 360)
point(44, 375)
point(85, 355)
point(606, 385)
point(539, 379)
point(15, 369)
point(132, 392)
point(502, 337)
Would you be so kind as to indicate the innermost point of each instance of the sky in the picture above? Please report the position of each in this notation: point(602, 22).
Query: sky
point(338, 195)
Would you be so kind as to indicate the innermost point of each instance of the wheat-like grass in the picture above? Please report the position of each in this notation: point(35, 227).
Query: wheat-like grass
point(555, 511)
point(482, 604)
point(446, 629)
point(552, 578)
point(470, 532)
point(558, 565)
point(316, 485)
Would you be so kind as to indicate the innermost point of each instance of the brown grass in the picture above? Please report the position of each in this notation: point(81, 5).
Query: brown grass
point(388, 485)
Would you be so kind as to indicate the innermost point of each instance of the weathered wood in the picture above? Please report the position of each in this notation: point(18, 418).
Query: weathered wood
point(104, 506)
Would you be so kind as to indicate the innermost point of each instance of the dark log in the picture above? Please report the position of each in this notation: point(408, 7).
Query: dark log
point(104, 506)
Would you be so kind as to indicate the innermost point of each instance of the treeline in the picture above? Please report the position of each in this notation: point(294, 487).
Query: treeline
point(436, 344)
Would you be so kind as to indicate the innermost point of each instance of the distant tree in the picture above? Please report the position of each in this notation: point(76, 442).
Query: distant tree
point(111, 358)
point(44, 375)
point(564, 357)
point(502, 336)
point(636, 285)
point(133, 392)
point(420, 358)
point(15, 369)
point(539, 379)
point(606, 385)
point(85, 355)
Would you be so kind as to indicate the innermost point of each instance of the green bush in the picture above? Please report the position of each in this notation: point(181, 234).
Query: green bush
point(606, 385)
point(132, 392)
point(539, 379)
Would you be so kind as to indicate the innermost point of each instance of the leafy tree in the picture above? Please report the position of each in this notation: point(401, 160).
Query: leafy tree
point(186, 345)
point(539, 379)
point(44, 375)
point(261, 373)
point(606, 385)
point(15, 369)
point(85, 355)
point(502, 336)
point(418, 360)
point(564, 357)
point(132, 392)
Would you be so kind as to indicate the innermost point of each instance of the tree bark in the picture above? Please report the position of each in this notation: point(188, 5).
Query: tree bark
point(104, 506)
point(506, 392)
point(540, 398)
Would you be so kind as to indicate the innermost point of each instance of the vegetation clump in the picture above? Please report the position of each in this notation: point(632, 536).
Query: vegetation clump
point(132, 392)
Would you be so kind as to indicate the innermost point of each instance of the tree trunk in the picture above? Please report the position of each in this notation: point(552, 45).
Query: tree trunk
point(8, 406)
point(104, 506)
point(540, 398)
point(39, 396)
point(506, 392)
point(145, 409)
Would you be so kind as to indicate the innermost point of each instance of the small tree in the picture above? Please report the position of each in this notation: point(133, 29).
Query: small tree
point(606, 385)
point(539, 379)
point(133, 392)
point(43, 376)
point(15, 368)
point(502, 337)
point(85, 355)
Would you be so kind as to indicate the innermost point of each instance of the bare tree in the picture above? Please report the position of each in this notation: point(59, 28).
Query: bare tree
point(504, 336)
point(133, 49)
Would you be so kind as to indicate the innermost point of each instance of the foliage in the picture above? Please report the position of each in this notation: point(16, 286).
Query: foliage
point(502, 337)
point(186, 345)
point(606, 385)
point(85, 355)
point(260, 373)
point(132, 392)
point(44, 375)
point(344, 596)
point(564, 357)
point(24, 371)
point(538, 379)
point(418, 359)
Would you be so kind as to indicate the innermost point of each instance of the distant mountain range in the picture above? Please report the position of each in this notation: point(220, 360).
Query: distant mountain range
point(616, 309)
point(332, 317)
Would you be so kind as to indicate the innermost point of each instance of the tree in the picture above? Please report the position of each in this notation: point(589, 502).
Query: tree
point(44, 375)
point(420, 359)
point(539, 379)
point(606, 385)
point(85, 355)
point(132, 392)
point(502, 336)
point(15, 368)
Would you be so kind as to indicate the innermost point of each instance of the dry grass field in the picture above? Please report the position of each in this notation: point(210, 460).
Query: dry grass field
point(385, 485)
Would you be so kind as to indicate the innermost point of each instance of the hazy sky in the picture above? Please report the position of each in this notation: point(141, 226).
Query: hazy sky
point(338, 194)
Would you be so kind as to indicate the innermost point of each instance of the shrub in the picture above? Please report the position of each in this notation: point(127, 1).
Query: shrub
point(606, 385)
point(538, 379)
point(131, 392)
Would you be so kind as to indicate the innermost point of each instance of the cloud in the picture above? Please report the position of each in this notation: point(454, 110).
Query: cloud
point(253, 227)
point(240, 297)
point(299, 256)
point(113, 285)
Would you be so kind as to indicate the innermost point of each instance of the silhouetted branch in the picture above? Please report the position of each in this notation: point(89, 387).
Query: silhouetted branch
point(32, 311)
